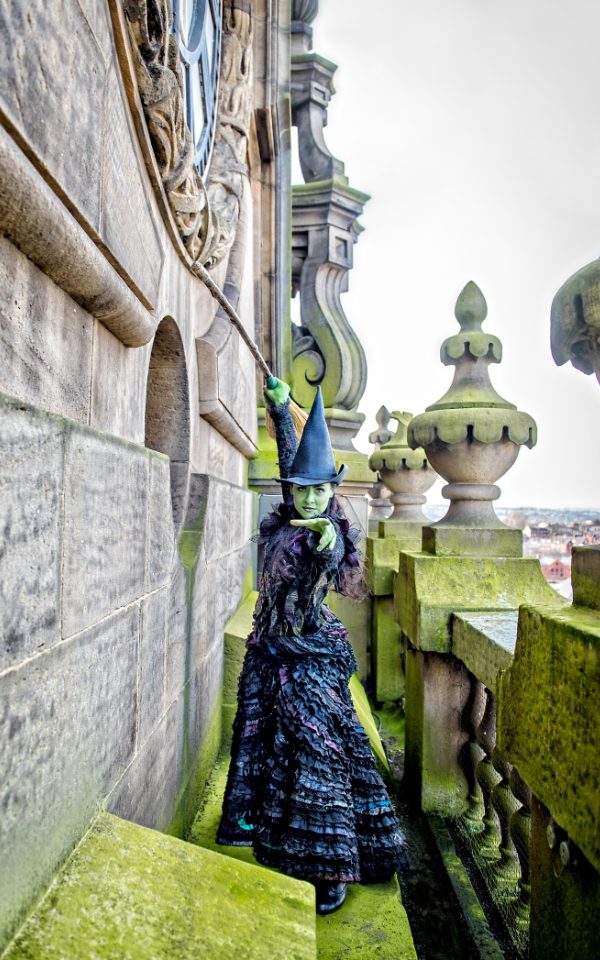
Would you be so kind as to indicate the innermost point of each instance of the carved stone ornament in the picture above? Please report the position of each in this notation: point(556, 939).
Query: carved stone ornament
point(575, 321)
point(229, 172)
point(160, 81)
point(206, 217)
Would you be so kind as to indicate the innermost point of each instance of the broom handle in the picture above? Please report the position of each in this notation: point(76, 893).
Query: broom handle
point(220, 297)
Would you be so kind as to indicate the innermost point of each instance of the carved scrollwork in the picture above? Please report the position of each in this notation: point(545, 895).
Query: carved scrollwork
point(160, 82)
point(229, 165)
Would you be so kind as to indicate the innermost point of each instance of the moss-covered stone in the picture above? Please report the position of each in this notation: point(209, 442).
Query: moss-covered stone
point(428, 589)
point(356, 617)
point(388, 650)
point(128, 891)
point(457, 541)
point(549, 716)
point(485, 643)
point(382, 564)
point(585, 576)
point(407, 534)
point(371, 924)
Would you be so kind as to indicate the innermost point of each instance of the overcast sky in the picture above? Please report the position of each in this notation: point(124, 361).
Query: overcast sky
point(475, 127)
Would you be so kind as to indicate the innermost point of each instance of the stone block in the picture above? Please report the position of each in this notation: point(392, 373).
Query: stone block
point(113, 409)
point(106, 491)
point(237, 630)
point(148, 790)
point(549, 716)
point(151, 670)
point(437, 690)
point(485, 643)
point(178, 636)
point(565, 901)
point(45, 340)
point(388, 652)
point(42, 68)
point(585, 575)
point(356, 617)
point(381, 565)
point(428, 589)
point(69, 719)
point(128, 226)
point(133, 892)
point(407, 533)
point(31, 483)
point(160, 547)
point(455, 541)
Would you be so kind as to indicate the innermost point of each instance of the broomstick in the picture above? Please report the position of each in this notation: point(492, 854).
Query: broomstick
point(299, 417)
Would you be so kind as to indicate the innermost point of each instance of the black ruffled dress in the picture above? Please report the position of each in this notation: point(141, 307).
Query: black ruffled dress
point(303, 789)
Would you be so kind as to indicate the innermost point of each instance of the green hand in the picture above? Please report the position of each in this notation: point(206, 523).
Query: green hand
point(323, 527)
point(277, 391)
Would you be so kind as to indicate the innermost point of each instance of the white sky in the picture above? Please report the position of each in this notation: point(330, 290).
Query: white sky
point(475, 126)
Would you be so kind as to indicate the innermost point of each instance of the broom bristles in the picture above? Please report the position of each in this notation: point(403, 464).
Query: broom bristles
point(298, 415)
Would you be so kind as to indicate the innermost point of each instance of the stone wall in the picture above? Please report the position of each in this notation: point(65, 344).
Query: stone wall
point(125, 513)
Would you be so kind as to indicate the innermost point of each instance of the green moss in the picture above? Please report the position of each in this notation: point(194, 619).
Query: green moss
point(387, 652)
point(134, 893)
point(549, 716)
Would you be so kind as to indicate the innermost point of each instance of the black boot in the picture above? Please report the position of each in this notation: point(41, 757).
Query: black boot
point(330, 897)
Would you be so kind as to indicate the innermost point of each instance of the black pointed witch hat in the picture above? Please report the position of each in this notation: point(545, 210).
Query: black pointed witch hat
point(314, 461)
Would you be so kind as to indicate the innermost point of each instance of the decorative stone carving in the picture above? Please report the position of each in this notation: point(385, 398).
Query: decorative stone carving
point(325, 212)
point(575, 321)
point(472, 436)
point(405, 472)
point(160, 81)
point(379, 506)
point(228, 171)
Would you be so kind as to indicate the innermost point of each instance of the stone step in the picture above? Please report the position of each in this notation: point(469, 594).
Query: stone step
point(131, 893)
point(372, 924)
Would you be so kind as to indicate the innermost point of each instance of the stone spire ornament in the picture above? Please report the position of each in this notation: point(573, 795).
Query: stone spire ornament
point(406, 473)
point(379, 505)
point(472, 436)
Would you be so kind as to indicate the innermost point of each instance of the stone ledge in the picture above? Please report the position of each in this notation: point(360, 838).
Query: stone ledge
point(485, 643)
point(128, 891)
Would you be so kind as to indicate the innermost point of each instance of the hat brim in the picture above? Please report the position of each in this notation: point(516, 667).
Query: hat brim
point(306, 481)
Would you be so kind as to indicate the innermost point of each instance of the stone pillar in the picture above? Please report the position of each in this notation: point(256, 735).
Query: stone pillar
point(469, 561)
point(379, 505)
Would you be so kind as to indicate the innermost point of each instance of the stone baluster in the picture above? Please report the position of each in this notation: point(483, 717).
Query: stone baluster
point(520, 828)
point(471, 755)
point(507, 870)
point(488, 778)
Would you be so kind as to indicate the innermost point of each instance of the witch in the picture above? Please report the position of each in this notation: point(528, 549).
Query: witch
point(303, 789)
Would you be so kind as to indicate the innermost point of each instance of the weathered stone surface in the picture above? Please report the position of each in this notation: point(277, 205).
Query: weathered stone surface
point(237, 630)
point(437, 690)
point(177, 634)
point(565, 901)
point(151, 669)
point(31, 482)
point(128, 224)
point(477, 542)
point(585, 576)
point(485, 644)
point(106, 490)
point(428, 589)
point(113, 409)
point(147, 792)
point(381, 565)
point(356, 617)
point(388, 652)
point(41, 68)
point(45, 340)
point(549, 716)
point(69, 719)
point(133, 892)
point(160, 548)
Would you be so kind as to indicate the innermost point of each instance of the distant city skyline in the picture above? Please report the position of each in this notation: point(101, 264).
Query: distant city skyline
point(475, 126)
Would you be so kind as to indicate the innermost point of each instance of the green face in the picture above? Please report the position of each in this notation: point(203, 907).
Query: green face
point(311, 501)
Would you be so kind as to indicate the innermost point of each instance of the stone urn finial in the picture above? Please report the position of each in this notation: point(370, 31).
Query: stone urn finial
point(379, 504)
point(405, 472)
point(472, 435)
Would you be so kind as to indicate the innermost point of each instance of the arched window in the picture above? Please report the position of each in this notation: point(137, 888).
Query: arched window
point(197, 24)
